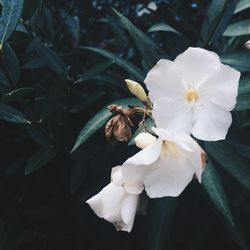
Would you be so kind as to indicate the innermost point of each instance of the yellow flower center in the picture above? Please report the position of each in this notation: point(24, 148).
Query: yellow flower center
point(192, 95)
point(168, 147)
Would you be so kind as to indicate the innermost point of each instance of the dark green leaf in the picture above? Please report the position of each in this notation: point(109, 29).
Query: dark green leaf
point(144, 44)
point(40, 158)
point(11, 13)
point(243, 103)
point(163, 27)
point(36, 63)
point(242, 5)
point(10, 114)
point(15, 95)
point(49, 57)
point(124, 64)
point(29, 8)
point(93, 72)
point(238, 60)
point(242, 149)
point(212, 183)
point(100, 119)
point(229, 159)
point(244, 85)
point(238, 29)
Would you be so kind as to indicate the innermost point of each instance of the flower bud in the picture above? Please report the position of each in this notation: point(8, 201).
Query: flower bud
point(144, 139)
point(137, 90)
point(247, 45)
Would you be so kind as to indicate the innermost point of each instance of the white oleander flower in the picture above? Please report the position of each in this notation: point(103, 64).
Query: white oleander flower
point(165, 166)
point(193, 94)
point(117, 202)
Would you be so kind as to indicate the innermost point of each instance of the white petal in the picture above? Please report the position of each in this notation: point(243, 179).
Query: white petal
point(164, 80)
point(170, 177)
point(146, 156)
point(128, 211)
point(225, 82)
point(172, 115)
point(196, 65)
point(144, 139)
point(212, 122)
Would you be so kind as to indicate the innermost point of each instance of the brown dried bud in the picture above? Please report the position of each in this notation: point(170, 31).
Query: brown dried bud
point(118, 128)
point(115, 109)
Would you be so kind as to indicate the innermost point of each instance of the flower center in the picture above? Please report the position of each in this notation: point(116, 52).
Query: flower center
point(168, 147)
point(192, 96)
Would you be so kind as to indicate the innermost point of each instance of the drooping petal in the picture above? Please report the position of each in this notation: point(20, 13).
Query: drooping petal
point(212, 122)
point(146, 156)
point(164, 80)
point(196, 65)
point(169, 177)
point(128, 211)
point(225, 82)
point(172, 115)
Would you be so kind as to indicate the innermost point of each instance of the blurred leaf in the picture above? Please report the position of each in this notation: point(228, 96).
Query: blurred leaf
point(238, 60)
point(34, 64)
point(40, 158)
point(238, 29)
point(244, 85)
point(29, 8)
point(49, 57)
point(15, 95)
point(242, 5)
point(159, 218)
point(218, 16)
point(229, 159)
point(100, 119)
point(124, 64)
point(212, 183)
point(10, 114)
point(11, 64)
point(243, 103)
point(93, 72)
point(146, 127)
point(11, 13)
point(144, 44)
point(242, 149)
point(163, 27)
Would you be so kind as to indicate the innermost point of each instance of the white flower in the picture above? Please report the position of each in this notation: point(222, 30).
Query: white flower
point(117, 202)
point(167, 165)
point(193, 94)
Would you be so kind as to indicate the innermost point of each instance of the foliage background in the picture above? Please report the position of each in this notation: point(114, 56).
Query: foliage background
point(59, 85)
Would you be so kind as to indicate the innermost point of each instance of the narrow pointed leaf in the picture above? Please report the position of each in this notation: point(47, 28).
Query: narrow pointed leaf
point(9, 114)
point(242, 5)
point(11, 13)
point(212, 183)
point(15, 95)
point(243, 103)
point(244, 85)
point(241, 28)
point(163, 27)
point(100, 119)
point(40, 158)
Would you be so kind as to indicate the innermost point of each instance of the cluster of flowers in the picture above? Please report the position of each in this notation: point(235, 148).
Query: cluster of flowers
point(192, 96)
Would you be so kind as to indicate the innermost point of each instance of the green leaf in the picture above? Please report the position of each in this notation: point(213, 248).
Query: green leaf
point(146, 127)
point(49, 57)
point(96, 70)
point(15, 95)
point(11, 13)
point(144, 44)
point(10, 114)
point(242, 5)
point(124, 64)
point(238, 60)
point(244, 85)
point(242, 149)
point(40, 158)
point(218, 16)
point(238, 29)
point(229, 159)
point(100, 119)
point(212, 183)
point(163, 27)
point(30, 7)
point(243, 103)
point(11, 64)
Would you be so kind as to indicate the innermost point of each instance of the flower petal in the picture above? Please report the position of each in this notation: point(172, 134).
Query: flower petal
point(170, 177)
point(164, 80)
point(225, 81)
point(196, 65)
point(144, 139)
point(212, 122)
point(172, 115)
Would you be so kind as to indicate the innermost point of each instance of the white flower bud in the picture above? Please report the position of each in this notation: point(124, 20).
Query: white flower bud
point(247, 45)
point(137, 90)
point(144, 139)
